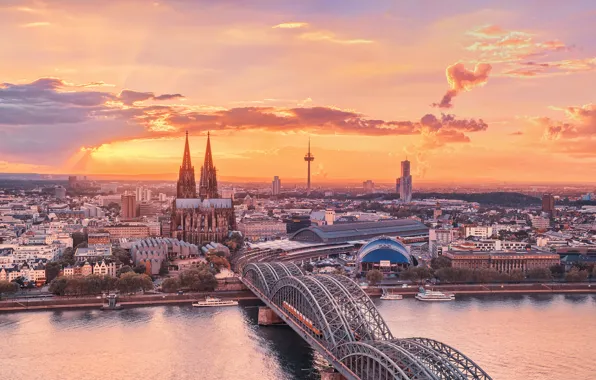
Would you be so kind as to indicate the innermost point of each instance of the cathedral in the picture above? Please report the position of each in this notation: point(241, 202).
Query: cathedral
point(206, 218)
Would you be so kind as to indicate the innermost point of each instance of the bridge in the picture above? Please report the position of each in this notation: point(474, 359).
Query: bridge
point(338, 319)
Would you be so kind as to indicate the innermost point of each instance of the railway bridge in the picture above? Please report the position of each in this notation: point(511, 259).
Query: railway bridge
point(338, 319)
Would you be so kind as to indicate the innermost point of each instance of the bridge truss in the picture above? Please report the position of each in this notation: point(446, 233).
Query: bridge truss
point(337, 318)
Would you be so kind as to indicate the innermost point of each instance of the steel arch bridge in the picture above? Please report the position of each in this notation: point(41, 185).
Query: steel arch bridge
point(336, 317)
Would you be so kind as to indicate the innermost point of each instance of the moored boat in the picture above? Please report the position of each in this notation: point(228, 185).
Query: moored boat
point(388, 296)
point(433, 296)
point(213, 302)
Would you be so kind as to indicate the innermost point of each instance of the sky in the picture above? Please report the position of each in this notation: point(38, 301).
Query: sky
point(467, 90)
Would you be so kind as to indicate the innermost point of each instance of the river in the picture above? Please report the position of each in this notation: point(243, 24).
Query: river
point(529, 337)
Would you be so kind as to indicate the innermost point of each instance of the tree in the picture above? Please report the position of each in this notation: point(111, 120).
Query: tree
point(440, 262)
point(198, 279)
point(235, 241)
point(218, 262)
point(122, 270)
point(8, 288)
point(516, 276)
point(417, 274)
point(68, 257)
point(170, 285)
point(557, 270)
point(122, 256)
point(576, 275)
point(58, 286)
point(109, 283)
point(374, 276)
point(542, 274)
point(52, 271)
point(140, 269)
point(78, 238)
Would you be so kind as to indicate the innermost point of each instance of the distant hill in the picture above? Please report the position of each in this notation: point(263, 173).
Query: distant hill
point(500, 198)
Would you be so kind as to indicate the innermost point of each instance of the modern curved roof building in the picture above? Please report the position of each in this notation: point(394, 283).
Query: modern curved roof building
point(344, 232)
point(384, 253)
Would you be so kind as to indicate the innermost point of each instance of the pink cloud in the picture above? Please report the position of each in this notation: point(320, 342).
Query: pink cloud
point(462, 79)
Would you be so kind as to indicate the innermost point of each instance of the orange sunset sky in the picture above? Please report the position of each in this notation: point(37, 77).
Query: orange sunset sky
point(469, 90)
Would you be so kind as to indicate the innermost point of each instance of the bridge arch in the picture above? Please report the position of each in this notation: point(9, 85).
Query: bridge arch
point(310, 305)
point(358, 309)
point(265, 275)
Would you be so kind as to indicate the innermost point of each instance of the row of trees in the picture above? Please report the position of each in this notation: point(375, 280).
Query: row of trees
point(200, 278)
point(129, 282)
point(479, 275)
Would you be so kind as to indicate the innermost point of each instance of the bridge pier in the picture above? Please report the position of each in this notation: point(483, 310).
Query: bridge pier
point(331, 375)
point(267, 317)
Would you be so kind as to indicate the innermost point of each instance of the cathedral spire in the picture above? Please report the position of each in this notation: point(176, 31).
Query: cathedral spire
point(186, 162)
point(186, 187)
point(208, 181)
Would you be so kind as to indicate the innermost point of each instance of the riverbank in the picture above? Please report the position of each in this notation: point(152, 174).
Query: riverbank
point(538, 288)
point(93, 302)
point(55, 303)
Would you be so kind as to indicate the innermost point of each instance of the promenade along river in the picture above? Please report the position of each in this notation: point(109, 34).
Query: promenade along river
point(526, 337)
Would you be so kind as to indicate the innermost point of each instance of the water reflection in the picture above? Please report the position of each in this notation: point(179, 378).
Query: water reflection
point(537, 337)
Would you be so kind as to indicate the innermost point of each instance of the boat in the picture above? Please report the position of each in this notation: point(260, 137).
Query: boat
point(390, 296)
point(433, 296)
point(213, 302)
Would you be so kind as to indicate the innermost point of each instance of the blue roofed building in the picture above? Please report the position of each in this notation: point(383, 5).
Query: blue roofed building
point(385, 254)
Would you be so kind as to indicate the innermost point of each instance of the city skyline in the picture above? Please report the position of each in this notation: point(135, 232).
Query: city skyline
point(499, 93)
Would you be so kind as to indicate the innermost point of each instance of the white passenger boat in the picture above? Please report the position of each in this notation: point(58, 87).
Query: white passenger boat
point(212, 302)
point(388, 296)
point(433, 296)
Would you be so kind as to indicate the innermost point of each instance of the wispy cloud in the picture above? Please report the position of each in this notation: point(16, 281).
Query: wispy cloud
point(331, 37)
point(291, 25)
point(35, 24)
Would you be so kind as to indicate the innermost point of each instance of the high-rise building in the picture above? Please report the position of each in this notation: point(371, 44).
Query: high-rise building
point(143, 194)
point(186, 186)
point(404, 183)
point(60, 192)
point(308, 158)
point(208, 181)
point(548, 204)
point(129, 206)
point(276, 186)
point(368, 186)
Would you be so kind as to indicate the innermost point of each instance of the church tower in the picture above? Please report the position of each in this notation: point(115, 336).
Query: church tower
point(208, 182)
point(187, 187)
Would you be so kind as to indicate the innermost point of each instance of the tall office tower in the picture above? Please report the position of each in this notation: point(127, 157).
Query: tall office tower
point(308, 158)
point(186, 187)
point(405, 182)
point(276, 186)
point(208, 181)
point(368, 186)
point(129, 206)
point(548, 204)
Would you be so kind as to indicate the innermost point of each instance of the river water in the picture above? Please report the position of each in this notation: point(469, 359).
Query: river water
point(537, 337)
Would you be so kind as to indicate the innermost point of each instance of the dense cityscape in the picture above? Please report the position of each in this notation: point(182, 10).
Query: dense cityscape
point(312, 190)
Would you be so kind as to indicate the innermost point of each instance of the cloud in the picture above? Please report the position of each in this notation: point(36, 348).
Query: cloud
point(520, 54)
point(129, 97)
point(516, 133)
point(462, 79)
point(331, 37)
point(488, 31)
point(291, 25)
point(53, 118)
point(576, 135)
point(36, 24)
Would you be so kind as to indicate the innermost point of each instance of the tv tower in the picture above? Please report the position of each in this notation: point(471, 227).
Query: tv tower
point(308, 158)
